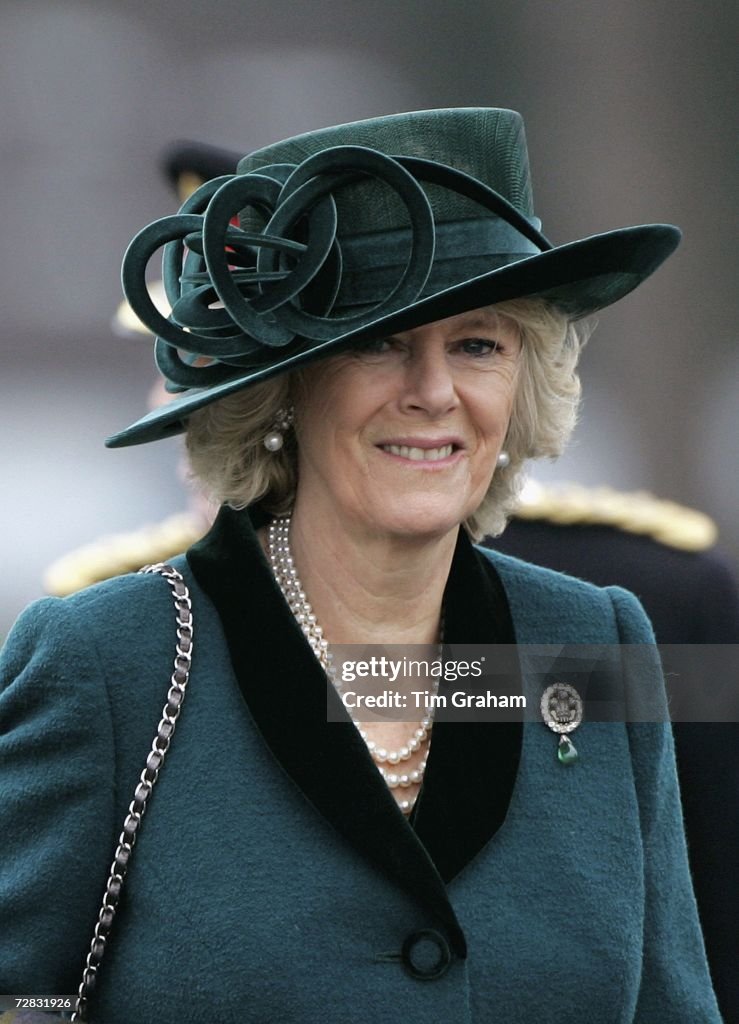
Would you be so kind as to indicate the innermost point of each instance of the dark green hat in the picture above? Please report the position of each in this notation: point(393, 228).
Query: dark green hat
point(354, 232)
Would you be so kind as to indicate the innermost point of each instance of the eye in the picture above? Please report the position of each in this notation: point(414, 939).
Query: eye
point(479, 347)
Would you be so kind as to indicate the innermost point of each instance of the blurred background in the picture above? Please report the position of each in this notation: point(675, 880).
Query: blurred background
point(628, 108)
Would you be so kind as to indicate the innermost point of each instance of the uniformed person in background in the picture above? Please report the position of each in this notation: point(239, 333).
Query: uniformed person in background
point(664, 553)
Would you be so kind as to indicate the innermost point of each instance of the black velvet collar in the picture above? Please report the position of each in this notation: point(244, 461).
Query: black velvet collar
point(471, 768)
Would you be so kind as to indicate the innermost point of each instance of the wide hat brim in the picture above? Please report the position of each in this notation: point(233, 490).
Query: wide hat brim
point(579, 278)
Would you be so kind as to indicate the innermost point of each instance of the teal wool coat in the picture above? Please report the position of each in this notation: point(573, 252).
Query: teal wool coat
point(275, 879)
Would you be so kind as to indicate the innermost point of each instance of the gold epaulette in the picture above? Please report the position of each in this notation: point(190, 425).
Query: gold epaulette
point(635, 512)
point(123, 552)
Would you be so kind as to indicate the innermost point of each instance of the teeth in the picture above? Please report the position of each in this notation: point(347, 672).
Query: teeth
point(419, 454)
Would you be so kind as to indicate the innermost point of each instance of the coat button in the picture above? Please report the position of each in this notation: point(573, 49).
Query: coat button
point(426, 954)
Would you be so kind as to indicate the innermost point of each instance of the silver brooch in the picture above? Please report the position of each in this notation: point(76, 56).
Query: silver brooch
point(561, 709)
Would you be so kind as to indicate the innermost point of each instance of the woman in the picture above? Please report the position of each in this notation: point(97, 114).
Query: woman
point(361, 395)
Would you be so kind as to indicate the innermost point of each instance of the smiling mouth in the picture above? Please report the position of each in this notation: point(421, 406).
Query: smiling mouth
point(420, 454)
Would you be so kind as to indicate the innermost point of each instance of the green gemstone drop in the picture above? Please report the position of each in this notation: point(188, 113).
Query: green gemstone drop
point(566, 751)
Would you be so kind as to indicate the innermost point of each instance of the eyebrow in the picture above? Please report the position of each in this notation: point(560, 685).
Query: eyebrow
point(481, 319)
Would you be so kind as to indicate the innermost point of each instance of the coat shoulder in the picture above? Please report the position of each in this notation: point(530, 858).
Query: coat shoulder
point(538, 581)
point(115, 628)
point(120, 603)
point(552, 607)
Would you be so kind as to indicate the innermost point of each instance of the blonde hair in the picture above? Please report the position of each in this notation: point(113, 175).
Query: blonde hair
point(229, 461)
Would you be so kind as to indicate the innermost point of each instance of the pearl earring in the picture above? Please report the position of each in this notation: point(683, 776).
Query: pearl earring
point(275, 439)
point(503, 460)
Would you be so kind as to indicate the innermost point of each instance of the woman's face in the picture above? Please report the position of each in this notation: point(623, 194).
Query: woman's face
point(402, 437)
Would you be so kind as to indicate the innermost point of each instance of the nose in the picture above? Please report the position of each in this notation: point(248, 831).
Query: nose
point(429, 384)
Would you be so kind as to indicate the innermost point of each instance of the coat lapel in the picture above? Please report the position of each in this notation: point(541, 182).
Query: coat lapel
point(286, 691)
point(472, 766)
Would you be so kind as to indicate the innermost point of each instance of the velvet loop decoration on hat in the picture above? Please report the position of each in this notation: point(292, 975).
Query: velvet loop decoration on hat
point(259, 278)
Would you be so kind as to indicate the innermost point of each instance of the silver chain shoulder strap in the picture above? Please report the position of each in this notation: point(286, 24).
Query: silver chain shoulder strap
point(154, 762)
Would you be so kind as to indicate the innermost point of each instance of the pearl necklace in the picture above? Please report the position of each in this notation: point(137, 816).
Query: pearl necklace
point(286, 575)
